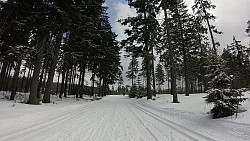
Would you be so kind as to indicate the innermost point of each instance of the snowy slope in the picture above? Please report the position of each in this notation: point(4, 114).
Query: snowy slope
point(118, 118)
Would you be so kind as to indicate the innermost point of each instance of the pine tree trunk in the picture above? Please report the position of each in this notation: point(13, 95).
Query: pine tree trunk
point(100, 84)
point(79, 85)
point(69, 81)
point(58, 82)
point(82, 80)
point(93, 84)
point(2, 74)
point(44, 81)
point(172, 62)
point(168, 77)
point(192, 87)
point(147, 56)
point(26, 89)
point(73, 89)
point(211, 33)
point(35, 78)
point(103, 86)
point(62, 83)
point(7, 77)
point(41, 81)
point(149, 94)
point(22, 83)
point(46, 97)
point(153, 74)
point(15, 80)
point(66, 84)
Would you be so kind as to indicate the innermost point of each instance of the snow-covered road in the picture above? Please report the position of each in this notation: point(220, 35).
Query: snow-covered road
point(114, 118)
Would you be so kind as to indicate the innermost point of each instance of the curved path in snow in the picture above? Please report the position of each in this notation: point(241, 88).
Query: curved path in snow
point(114, 118)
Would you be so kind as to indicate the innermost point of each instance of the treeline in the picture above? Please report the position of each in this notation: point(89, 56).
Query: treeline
point(41, 39)
point(186, 44)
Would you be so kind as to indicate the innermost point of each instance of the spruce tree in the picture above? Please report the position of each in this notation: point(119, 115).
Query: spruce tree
point(237, 60)
point(160, 77)
point(226, 100)
point(143, 33)
point(132, 70)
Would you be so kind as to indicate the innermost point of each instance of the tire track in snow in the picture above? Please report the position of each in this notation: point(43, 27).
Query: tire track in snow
point(190, 134)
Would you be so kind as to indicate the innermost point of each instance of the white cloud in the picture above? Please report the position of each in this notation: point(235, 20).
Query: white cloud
point(231, 19)
point(122, 11)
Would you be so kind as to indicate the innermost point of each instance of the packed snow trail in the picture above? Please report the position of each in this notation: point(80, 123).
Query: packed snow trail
point(114, 118)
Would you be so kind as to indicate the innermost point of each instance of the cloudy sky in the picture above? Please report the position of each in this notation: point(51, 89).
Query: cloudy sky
point(232, 16)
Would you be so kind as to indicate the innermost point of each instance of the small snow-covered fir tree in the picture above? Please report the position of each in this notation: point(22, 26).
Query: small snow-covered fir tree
point(225, 99)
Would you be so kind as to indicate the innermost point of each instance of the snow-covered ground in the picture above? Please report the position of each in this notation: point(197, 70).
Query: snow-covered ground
point(118, 118)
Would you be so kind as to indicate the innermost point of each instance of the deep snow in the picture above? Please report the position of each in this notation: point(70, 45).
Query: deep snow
point(118, 118)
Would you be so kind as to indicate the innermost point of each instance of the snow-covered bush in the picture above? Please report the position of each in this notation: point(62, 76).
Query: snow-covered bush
point(225, 99)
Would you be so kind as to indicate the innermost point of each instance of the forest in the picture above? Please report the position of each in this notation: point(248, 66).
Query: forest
point(188, 50)
point(46, 39)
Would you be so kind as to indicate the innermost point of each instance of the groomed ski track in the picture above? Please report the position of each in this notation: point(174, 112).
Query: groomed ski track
point(114, 118)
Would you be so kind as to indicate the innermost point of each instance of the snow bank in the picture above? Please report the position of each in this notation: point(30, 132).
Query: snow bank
point(17, 107)
point(195, 105)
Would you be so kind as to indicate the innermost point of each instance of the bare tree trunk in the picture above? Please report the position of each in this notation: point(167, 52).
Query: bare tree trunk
point(153, 74)
point(103, 85)
point(35, 78)
point(7, 77)
point(211, 33)
point(73, 88)
point(3, 72)
point(70, 80)
point(15, 80)
point(168, 77)
point(66, 84)
point(82, 80)
point(147, 57)
point(100, 84)
point(58, 82)
point(192, 87)
point(44, 80)
point(62, 83)
point(79, 85)
point(27, 85)
point(46, 97)
point(22, 83)
point(93, 84)
point(41, 80)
